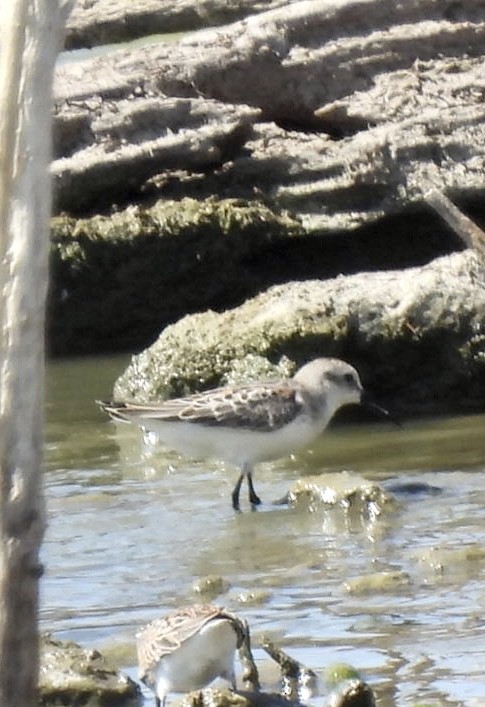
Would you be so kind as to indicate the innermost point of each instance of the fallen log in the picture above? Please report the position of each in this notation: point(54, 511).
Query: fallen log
point(94, 22)
point(341, 111)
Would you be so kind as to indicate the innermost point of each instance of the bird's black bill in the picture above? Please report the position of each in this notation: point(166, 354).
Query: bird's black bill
point(379, 411)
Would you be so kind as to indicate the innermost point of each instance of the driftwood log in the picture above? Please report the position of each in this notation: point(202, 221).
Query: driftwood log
point(30, 37)
point(95, 22)
point(341, 112)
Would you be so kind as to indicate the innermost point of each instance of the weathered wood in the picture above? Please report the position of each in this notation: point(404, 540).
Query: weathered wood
point(95, 22)
point(349, 124)
point(134, 142)
point(29, 47)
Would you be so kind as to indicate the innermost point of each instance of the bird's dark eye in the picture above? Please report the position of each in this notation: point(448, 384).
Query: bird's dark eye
point(349, 378)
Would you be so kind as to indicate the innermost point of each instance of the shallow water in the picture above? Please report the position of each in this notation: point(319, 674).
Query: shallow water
point(131, 528)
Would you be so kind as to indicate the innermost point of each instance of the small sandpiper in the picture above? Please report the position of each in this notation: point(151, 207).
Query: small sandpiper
point(251, 423)
point(188, 649)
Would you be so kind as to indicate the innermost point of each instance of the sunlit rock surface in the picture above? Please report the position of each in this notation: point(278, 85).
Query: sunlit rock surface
point(416, 336)
point(72, 675)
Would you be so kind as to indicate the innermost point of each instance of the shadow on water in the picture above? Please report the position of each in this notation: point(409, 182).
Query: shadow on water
point(131, 528)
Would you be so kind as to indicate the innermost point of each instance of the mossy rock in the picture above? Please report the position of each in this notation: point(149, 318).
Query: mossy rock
point(417, 338)
point(72, 675)
point(118, 280)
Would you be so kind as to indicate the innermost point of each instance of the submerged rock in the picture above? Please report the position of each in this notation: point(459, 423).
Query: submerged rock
point(387, 581)
point(349, 493)
point(336, 674)
point(416, 336)
point(72, 675)
point(442, 562)
point(210, 586)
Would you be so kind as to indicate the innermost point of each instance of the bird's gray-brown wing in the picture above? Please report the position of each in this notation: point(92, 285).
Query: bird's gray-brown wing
point(264, 407)
point(165, 635)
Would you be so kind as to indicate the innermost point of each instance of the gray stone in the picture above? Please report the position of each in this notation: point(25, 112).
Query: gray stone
point(70, 674)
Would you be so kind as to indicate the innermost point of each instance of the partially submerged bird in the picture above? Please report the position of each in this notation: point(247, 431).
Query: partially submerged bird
point(250, 423)
point(187, 649)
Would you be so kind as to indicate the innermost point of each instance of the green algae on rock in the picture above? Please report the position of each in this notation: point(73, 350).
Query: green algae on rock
point(337, 673)
point(440, 563)
point(416, 336)
point(348, 687)
point(210, 586)
point(118, 280)
point(346, 492)
point(386, 581)
point(72, 675)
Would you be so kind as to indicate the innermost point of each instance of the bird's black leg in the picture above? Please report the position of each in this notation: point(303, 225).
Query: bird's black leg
point(254, 499)
point(235, 493)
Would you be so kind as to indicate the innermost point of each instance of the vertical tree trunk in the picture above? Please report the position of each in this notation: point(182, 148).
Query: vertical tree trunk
point(28, 46)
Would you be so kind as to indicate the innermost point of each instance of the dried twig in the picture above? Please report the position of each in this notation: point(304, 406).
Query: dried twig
point(465, 228)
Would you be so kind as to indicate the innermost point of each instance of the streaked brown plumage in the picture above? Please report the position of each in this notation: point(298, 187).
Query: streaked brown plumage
point(188, 648)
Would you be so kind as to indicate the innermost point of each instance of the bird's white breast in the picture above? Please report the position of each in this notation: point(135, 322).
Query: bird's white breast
point(236, 445)
point(199, 660)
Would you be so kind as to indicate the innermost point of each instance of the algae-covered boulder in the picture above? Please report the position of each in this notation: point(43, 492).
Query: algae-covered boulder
point(378, 582)
point(416, 336)
point(118, 280)
point(347, 493)
point(71, 675)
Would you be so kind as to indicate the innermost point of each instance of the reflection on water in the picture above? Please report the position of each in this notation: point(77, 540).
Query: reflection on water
point(131, 528)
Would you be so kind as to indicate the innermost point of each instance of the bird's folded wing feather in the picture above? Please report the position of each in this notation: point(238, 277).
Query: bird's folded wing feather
point(163, 636)
point(263, 407)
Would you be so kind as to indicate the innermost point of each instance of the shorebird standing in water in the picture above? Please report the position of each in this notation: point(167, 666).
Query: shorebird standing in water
point(188, 649)
point(250, 423)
